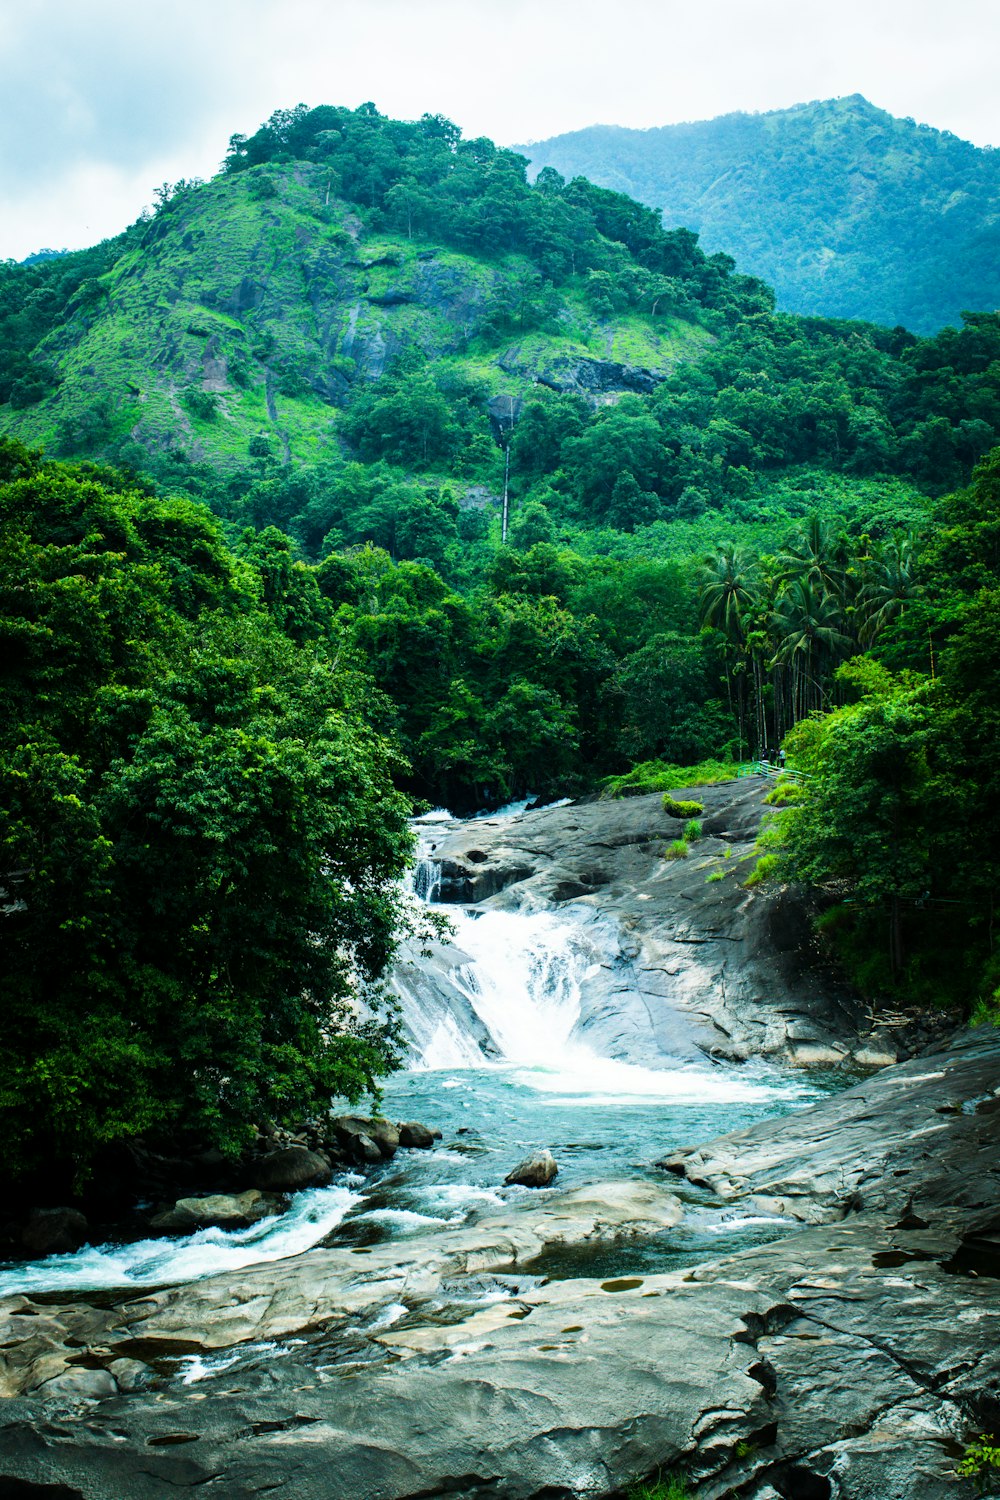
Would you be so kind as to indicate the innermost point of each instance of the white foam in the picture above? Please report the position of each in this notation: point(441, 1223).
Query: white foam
point(400, 1218)
point(195, 1367)
point(311, 1216)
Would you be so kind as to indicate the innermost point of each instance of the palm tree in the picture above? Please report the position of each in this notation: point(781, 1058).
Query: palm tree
point(808, 624)
point(816, 555)
point(729, 598)
point(890, 584)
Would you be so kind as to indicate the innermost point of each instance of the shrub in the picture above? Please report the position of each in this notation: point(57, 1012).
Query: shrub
point(715, 875)
point(671, 1488)
point(692, 831)
point(203, 404)
point(677, 809)
point(980, 1457)
point(765, 869)
point(660, 776)
point(677, 850)
point(784, 793)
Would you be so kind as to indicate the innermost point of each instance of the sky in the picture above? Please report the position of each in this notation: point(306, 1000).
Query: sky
point(104, 100)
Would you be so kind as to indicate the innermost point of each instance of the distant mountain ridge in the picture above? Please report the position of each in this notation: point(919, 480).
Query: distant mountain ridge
point(844, 209)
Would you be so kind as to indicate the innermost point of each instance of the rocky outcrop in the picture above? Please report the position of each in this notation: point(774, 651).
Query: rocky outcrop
point(53, 1231)
point(848, 1360)
point(580, 374)
point(536, 1170)
point(685, 959)
point(289, 1169)
point(218, 1210)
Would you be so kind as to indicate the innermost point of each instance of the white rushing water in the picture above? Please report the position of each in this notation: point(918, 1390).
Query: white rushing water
point(501, 1060)
point(524, 984)
point(312, 1215)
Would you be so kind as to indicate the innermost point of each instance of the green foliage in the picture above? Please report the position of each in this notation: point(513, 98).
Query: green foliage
point(912, 249)
point(677, 850)
point(981, 1456)
point(672, 1487)
point(657, 776)
point(676, 809)
point(766, 869)
point(201, 404)
point(199, 837)
point(785, 793)
point(715, 876)
point(692, 831)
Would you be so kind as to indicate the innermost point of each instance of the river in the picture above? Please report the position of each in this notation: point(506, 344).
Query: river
point(529, 1080)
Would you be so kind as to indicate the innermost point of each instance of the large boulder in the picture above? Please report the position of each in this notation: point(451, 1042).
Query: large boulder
point(347, 1131)
point(221, 1210)
point(54, 1231)
point(536, 1170)
point(290, 1168)
point(415, 1135)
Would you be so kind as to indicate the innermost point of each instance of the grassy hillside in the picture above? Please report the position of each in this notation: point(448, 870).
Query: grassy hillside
point(250, 305)
point(842, 208)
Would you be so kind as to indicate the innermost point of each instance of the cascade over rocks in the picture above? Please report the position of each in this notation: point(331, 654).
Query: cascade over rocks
point(679, 961)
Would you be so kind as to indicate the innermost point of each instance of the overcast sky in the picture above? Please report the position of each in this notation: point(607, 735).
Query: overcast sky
point(102, 100)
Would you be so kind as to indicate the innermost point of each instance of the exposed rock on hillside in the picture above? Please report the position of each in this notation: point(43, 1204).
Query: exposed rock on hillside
point(238, 316)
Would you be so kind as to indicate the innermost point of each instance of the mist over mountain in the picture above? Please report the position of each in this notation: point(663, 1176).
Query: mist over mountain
point(844, 209)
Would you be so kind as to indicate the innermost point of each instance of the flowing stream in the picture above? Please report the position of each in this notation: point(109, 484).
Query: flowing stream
point(514, 1075)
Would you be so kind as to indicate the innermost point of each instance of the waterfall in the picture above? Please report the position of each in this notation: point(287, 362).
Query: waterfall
point(425, 880)
point(527, 990)
point(523, 981)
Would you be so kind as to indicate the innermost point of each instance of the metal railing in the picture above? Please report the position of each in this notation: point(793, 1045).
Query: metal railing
point(768, 768)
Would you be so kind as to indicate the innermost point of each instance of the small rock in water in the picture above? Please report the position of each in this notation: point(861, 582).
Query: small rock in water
point(536, 1170)
point(290, 1168)
point(54, 1231)
point(412, 1133)
point(223, 1210)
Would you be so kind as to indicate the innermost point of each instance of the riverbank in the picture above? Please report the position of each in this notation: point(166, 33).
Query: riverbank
point(852, 1358)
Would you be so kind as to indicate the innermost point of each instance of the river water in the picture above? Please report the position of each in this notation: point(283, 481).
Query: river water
point(541, 1086)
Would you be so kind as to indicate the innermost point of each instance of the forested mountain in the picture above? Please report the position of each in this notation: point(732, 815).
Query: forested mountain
point(845, 210)
point(728, 525)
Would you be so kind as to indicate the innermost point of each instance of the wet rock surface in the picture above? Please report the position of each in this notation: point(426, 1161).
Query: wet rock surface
point(852, 1359)
point(536, 1170)
point(680, 961)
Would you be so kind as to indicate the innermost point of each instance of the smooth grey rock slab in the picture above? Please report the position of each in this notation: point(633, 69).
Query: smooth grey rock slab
point(852, 1359)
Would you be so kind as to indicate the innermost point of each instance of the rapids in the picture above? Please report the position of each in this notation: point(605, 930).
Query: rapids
point(525, 1079)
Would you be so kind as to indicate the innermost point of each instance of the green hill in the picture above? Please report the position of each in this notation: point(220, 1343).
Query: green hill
point(363, 329)
point(844, 209)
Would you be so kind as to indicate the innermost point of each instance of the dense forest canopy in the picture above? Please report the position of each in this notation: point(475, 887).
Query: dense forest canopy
point(845, 210)
point(200, 842)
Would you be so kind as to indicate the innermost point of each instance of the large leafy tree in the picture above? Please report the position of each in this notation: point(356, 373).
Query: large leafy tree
point(199, 838)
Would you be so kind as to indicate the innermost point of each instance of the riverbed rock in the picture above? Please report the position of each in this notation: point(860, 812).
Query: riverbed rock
point(417, 1136)
point(345, 1130)
point(535, 1171)
point(289, 1169)
point(850, 1359)
point(54, 1231)
point(219, 1210)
